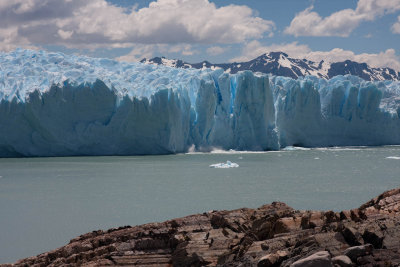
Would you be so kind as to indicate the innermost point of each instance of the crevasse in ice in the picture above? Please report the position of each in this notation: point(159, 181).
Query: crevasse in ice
point(58, 105)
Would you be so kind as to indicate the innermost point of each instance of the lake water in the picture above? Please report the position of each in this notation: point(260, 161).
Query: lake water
point(45, 202)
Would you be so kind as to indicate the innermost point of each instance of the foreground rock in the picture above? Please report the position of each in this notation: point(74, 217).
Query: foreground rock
point(272, 235)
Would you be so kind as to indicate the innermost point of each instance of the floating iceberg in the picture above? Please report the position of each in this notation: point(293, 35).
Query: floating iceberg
point(53, 104)
point(226, 165)
point(393, 157)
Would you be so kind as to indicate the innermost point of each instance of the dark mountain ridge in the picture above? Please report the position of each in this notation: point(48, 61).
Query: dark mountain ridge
point(280, 64)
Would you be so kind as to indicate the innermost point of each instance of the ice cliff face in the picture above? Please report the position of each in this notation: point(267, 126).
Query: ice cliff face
point(58, 105)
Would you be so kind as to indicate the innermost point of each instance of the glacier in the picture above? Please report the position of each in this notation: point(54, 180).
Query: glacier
point(52, 104)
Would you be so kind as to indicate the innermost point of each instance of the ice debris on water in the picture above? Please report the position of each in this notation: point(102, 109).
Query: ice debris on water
point(52, 104)
point(294, 148)
point(226, 165)
point(393, 157)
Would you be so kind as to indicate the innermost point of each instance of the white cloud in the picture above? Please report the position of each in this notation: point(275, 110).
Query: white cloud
point(65, 34)
point(216, 50)
point(26, 6)
point(254, 49)
point(9, 39)
point(396, 26)
point(387, 58)
point(141, 51)
point(97, 23)
point(184, 49)
point(341, 23)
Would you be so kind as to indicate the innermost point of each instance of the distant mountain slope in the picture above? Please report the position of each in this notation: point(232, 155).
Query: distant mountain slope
point(279, 63)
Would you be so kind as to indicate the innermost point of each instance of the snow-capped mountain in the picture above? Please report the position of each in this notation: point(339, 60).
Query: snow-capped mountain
point(280, 64)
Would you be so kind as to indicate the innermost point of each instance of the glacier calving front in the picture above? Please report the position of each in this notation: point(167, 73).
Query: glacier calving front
point(58, 105)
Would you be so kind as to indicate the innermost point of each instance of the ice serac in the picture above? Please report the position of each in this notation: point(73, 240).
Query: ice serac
point(59, 105)
point(338, 112)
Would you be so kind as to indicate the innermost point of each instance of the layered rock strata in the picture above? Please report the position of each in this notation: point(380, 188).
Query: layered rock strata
point(272, 235)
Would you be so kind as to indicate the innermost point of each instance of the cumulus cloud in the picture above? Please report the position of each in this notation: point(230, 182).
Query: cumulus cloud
point(216, 50)
point(141, 51)
point(184, 49)
point(97, 23)
point(254, 49)
point(65, 34)
point(387, 58)
point(341, 23)
point(396, 26)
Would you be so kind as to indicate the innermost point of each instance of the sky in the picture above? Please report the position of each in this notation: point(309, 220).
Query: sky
point(215, 30)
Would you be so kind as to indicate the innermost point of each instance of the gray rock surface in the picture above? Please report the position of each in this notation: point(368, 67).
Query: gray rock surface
point(358, 251)
point(319, 259)
point(342, 261)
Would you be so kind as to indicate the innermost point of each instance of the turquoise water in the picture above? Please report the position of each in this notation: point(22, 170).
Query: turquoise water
point(45, 202)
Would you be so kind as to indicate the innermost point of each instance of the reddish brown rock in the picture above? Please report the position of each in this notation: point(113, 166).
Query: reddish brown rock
point(272, 235)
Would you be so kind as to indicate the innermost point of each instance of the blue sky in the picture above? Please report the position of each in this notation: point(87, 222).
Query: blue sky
point(214, 30)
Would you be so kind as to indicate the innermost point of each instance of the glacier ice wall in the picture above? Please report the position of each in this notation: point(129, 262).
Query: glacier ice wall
point(53, 104)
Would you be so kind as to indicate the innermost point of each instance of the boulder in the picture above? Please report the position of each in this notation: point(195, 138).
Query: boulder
point(319, 259)
point(273, 259)
point(352, 236)
point(342, 261)
point(358, 251)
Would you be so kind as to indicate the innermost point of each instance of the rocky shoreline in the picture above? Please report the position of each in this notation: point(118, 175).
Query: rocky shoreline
point(272, 235)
